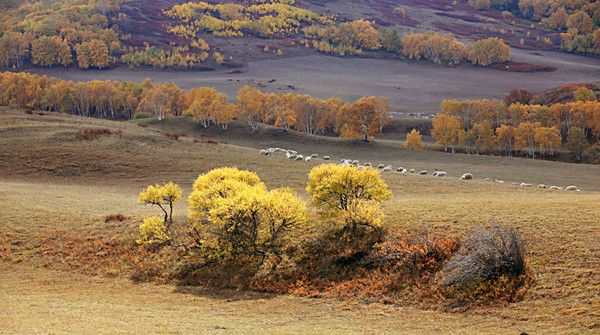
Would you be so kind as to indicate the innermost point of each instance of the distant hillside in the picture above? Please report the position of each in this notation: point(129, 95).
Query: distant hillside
point(206, 35)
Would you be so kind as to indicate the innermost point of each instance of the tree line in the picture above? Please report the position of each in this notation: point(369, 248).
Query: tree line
point(509, 127)
point(124, 100)
point(353, 38)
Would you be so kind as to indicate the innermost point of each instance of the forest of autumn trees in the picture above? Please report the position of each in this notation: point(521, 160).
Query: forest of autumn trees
point(123, 100)
point(577, 21)
point(514, 126)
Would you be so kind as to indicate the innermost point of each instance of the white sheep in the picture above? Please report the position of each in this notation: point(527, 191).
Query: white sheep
point(555, 188)
point(326, 158)
point(355, 162)
point(423, 173)
point(313, 156)
point(466, 176)
point(308, 159)
point(440, 174)
point(368, 165)
point(380, 166)
point(263, 152)
point(292, 156)
point(299, 157)
point(525, 185)
point(413, 170)
point(571, 188)
point(542, 186)
point(387, 169)
point(499, 181)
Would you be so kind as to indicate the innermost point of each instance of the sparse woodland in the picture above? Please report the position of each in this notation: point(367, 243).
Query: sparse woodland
point(89, 34)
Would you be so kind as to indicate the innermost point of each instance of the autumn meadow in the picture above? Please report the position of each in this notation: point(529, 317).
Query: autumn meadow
point(300, 167)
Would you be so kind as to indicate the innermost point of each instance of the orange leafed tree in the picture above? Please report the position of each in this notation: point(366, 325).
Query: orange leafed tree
point(162, 100)
point(94, 53)
point(525, 137)
point(489, 51)
point(548, 139)
point(363, 119)
point(505, 138)
point(252, 104)
point(447, 129)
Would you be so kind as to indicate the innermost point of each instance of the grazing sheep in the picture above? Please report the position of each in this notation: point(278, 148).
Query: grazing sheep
point(387, 169)
point(413, 170)
point(326, 158)
point(499, 181)
point(423, 173)
point(299, 158)
point(467, 176)
point(380, 166)
point(542, 186)
point(368, 164)
point(571, 188)
point(313, 156)
point(292, 156)
point(555, 188)
point(355, 162)
point(263, 152)
point(400, 169)
point(308, 159)
point(525, 185)
point(403, 171)
point(440, 174)
point(487, 179)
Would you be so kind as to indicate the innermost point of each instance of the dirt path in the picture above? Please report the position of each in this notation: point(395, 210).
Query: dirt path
point(411, 86)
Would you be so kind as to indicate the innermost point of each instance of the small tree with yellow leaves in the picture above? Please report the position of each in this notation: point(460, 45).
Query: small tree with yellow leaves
point(233, 213)
point(414, 140)
point(162, 196)
point(348, 195)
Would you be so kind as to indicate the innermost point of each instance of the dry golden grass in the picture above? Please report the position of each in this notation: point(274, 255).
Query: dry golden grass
point(52, 181)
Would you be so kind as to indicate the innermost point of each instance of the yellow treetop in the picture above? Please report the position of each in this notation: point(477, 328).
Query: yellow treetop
point(414, 140)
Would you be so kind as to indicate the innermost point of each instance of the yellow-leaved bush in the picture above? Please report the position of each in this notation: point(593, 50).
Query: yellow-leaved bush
point(350, 196)
point(235, 214)
point(153, 232)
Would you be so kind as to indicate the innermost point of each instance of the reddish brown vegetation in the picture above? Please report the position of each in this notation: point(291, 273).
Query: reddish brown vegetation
point(90, 134)
point(207, 141)
point(114, 218)
point(562, 94)
point(174, 136)
point(523, 67)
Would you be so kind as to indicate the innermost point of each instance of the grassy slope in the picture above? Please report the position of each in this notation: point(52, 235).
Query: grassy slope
point(50, 181)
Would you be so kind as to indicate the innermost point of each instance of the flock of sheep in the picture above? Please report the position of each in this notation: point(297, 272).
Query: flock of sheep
point(295, 156)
